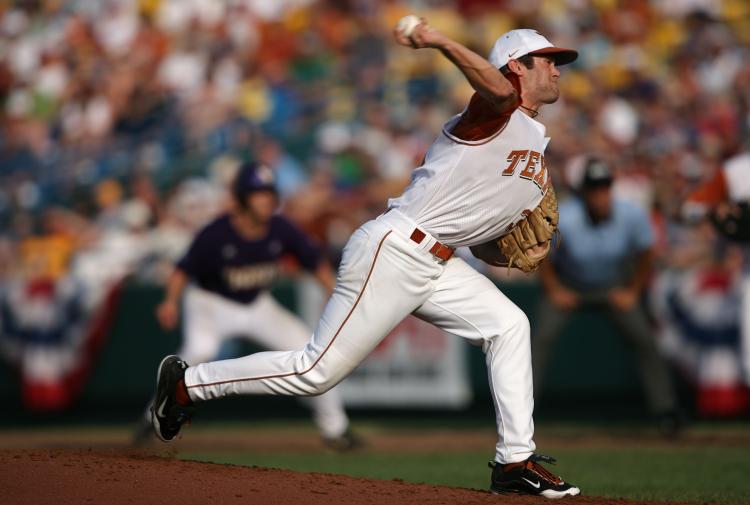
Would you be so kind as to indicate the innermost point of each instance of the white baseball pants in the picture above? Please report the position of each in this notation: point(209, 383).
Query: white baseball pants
point(210, 319)
point(383, 277)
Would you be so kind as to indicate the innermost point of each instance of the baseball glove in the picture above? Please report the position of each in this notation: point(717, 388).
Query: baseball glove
point(527, 244)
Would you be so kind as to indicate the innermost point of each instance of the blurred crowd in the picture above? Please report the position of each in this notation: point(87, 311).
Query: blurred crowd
point(122, 121)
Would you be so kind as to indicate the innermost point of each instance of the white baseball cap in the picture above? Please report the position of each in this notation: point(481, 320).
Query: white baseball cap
point(517, 43)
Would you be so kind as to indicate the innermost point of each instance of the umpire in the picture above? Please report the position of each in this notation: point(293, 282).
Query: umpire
point(604, 262)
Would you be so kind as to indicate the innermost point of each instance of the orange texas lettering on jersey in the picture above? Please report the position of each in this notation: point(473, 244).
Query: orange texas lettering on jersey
point(530, 161)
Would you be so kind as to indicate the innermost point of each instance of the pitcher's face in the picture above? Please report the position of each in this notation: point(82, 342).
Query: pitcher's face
point(541, 81)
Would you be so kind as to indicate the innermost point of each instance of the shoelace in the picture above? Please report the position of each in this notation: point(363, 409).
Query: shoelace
point(534, 466)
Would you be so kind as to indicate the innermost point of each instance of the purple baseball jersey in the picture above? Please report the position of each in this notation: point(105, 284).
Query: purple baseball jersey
point(223, 262)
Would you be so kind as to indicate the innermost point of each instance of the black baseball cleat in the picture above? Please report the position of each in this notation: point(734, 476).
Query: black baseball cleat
point(167, 415)
point(529, 477)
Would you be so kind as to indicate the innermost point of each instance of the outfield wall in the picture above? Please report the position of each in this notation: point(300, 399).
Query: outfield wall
point(591, 362)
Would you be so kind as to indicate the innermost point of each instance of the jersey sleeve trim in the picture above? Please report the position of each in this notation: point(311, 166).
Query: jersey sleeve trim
point(452, 122)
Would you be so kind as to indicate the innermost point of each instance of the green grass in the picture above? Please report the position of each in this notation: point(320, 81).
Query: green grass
point(715, 475)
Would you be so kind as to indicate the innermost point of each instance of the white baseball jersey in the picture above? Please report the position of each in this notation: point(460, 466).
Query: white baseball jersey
point(469, 192)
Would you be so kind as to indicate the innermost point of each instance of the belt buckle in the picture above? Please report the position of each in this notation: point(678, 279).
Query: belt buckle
point(441, 251)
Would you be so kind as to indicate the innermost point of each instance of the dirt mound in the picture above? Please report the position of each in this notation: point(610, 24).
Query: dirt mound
point(78, 477)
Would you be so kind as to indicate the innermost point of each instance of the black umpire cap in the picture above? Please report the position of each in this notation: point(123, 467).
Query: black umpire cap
point(596, 174)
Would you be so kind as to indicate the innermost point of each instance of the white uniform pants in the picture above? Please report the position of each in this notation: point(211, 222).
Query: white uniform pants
point(211, 319)
point(383, 277)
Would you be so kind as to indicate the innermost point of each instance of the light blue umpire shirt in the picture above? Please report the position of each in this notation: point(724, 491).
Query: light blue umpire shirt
point(601, 255)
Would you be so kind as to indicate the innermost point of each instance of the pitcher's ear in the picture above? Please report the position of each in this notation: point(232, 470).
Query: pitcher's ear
point(515, 67)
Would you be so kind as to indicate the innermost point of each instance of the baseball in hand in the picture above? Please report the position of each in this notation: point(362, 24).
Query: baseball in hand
point(407, 24)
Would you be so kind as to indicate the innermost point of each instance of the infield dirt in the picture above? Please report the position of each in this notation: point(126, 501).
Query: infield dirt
point(118, 477)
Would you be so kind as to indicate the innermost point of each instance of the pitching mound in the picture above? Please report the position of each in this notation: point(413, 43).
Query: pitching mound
point(77, 477)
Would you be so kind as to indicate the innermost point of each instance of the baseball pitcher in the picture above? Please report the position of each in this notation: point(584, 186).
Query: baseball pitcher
point(484, 183)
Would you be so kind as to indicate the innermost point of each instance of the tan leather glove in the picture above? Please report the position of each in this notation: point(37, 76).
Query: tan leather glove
point(528, 243)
